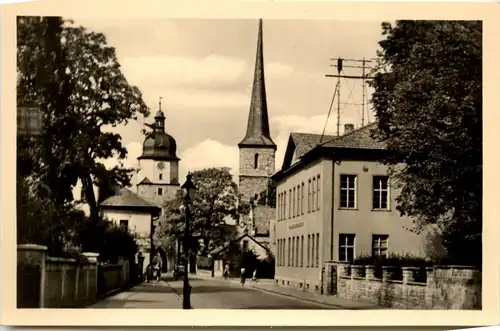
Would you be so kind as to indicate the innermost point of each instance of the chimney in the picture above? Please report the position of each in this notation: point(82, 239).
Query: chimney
point(348, 128)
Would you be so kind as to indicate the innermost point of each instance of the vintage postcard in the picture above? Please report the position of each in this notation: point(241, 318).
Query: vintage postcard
point(260, 164)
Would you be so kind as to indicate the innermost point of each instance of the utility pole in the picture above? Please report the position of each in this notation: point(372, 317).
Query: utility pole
point(340, 66)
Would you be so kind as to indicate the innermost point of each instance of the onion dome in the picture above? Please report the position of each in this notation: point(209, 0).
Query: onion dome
point(159, 145)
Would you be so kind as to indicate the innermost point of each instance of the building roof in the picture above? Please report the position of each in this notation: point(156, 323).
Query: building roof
point(306, 149)
point(358, 138)
point(145, 180)
point(258, 133)
point(222, 248)
point(300, 143)
point(159, 145)
point(127, 199)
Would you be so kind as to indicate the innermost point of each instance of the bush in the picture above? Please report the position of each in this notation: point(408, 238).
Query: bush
point(395, 260)
point(107, 239)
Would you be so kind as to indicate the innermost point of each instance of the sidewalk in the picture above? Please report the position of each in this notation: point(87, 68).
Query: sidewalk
point(269, 285)
point(145, 296)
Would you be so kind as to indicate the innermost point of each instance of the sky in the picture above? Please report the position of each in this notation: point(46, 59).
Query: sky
point(203, 70)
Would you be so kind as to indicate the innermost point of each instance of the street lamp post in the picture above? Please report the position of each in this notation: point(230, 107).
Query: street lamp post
point(188, 190)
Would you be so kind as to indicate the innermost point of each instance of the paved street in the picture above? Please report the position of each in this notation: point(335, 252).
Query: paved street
point(206, 293)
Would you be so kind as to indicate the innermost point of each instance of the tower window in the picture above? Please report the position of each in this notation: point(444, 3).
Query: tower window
point(161, 176)
point(160, 191)
point(256, 161)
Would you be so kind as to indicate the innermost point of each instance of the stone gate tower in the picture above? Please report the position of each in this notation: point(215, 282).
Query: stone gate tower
point(257, 149)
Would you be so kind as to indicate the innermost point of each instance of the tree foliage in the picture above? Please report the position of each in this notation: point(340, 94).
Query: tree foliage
point(75, 78)
point(215, 201)
point(428, 101)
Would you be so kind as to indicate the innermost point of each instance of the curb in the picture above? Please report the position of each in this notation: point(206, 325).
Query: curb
point(177, 295)
point(297, 297)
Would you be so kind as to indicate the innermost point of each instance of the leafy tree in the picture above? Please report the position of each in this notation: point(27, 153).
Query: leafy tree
point(216, 199)
point(40, 221)
point(75, 78)
point(428, 101)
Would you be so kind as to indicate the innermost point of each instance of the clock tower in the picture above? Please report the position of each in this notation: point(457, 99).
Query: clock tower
point(158, 165)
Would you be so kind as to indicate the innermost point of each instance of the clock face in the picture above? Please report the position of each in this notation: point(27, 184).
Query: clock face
point(161, 165)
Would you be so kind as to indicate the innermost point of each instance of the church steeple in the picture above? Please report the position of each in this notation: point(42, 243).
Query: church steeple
point(257, 133)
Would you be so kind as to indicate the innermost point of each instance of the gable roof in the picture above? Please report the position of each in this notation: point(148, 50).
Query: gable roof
point(125, 198)
point(359, 138)
point(300, 143)
point(145, 180)
point(357, 142)
point(222, 248)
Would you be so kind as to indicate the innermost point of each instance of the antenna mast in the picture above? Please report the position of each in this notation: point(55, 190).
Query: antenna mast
point(340, 66)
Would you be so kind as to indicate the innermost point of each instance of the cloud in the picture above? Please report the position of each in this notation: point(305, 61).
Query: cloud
point(278, 70)
point(205, 99)
point(213, 70)
point(209, 153)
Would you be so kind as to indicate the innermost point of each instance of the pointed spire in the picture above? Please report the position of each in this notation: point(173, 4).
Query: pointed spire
point(258, 120)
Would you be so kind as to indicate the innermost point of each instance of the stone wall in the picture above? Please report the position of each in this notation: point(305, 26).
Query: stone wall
point(250, 186)
point(440, 287)
point(149, 192)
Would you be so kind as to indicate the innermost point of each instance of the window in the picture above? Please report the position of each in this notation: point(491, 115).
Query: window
point(160, 176)
point(348, 191)
point(279, 252)
point(318, 200)
point(293, 204)
point(256, 161)
point(308, 261)
point(302, 199)
point(290, 203)
point(124, 224)
point(297, 250)
point(245, 245)
point(346, 247)
point(289, 246)
point(283, 252)
point(380, 192)
point(298, 201)
point(309, 196)
point(160, 191)
point(317, 250)
point(379, 245)
point(293, 251)
point(284, 205)
point(301, 251)
point(313, 202)
point(312, 251)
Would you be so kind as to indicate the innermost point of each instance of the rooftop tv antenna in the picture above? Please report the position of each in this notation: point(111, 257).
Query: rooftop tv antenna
point(364, 77)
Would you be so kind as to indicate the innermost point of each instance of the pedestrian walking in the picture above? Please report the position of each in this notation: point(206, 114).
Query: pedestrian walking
point(254, 276)
point(226, 271)
point(149, 273)
point(242, 276)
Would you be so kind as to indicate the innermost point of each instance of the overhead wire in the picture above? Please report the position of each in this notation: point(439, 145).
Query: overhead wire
point(329, 112)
